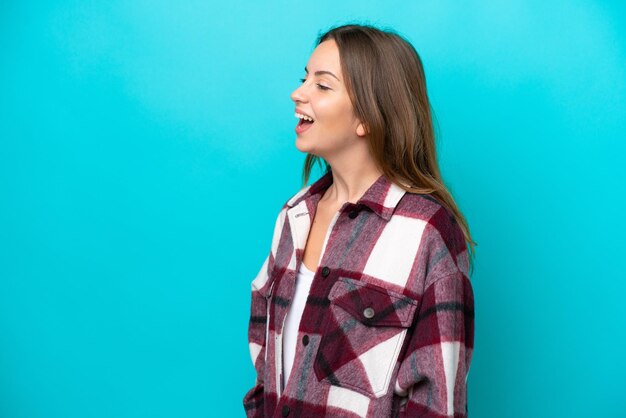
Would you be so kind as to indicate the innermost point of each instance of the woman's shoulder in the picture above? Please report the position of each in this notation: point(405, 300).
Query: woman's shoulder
point(441, 233)
point(293, 200)
point(436, 217)
point(297, 197)
point(305, 191)
point(420, 205)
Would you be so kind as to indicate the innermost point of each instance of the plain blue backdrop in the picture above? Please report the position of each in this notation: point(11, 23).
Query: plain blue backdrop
point(146, 148)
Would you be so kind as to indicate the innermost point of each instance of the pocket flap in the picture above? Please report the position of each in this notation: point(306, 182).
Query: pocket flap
point(373, 305)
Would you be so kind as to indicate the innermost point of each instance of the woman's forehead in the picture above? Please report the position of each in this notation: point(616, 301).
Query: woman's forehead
point(325, 59)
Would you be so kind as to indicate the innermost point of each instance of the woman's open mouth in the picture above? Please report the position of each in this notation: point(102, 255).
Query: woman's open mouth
point(303, 125)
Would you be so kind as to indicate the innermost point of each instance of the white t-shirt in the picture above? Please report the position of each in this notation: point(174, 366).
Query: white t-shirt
point(304, 279)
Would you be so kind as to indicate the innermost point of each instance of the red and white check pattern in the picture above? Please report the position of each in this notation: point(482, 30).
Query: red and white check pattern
point(389, 320)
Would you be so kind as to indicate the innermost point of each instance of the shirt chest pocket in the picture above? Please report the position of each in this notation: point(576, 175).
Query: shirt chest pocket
point(363, 335)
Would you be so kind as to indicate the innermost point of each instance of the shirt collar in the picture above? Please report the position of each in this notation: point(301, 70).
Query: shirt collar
point(381, 197)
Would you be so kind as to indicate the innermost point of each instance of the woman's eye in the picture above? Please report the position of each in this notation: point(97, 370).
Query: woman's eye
point(320, 86)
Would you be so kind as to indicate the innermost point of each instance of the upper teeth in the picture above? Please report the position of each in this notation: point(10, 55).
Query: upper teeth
point(305, 117)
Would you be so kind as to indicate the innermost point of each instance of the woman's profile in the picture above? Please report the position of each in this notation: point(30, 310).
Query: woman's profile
point(363, 306)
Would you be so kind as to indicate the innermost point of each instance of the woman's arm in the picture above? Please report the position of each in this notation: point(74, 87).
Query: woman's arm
point(253, 400)
point(257, 328)
point(433, 372)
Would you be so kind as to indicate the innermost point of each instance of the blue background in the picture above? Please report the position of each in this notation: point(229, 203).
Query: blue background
point(146, 148)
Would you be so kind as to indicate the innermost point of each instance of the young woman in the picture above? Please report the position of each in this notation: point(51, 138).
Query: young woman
point(363, 306)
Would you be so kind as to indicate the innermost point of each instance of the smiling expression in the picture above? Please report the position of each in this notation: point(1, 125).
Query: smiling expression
point(324, 98)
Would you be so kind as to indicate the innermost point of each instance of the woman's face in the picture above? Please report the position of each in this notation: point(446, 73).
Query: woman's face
point(324, 98)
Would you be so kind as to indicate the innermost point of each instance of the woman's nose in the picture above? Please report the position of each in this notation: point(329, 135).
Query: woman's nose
point(298, 95)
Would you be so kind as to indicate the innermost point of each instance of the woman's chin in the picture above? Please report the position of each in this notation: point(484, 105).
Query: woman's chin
point(303, 146)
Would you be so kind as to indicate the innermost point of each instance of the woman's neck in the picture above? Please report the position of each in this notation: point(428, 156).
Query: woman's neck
point(350, 184)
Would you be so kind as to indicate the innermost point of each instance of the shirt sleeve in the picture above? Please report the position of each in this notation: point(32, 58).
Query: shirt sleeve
point(433, 372)
point(257, 327)
point(253, 400)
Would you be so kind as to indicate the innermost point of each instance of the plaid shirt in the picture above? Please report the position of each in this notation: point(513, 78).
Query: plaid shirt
point(388, 326)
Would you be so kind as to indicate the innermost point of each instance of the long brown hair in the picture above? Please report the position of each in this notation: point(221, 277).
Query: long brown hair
point(386, 84)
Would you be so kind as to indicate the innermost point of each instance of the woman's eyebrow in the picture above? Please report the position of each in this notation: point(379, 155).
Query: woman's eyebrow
point(322, 72)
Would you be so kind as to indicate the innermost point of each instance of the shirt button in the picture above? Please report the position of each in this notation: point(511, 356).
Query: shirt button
point(305, 340)
point(353, 214)
point(285, 410)
point(325, 271)
point(368, 313)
